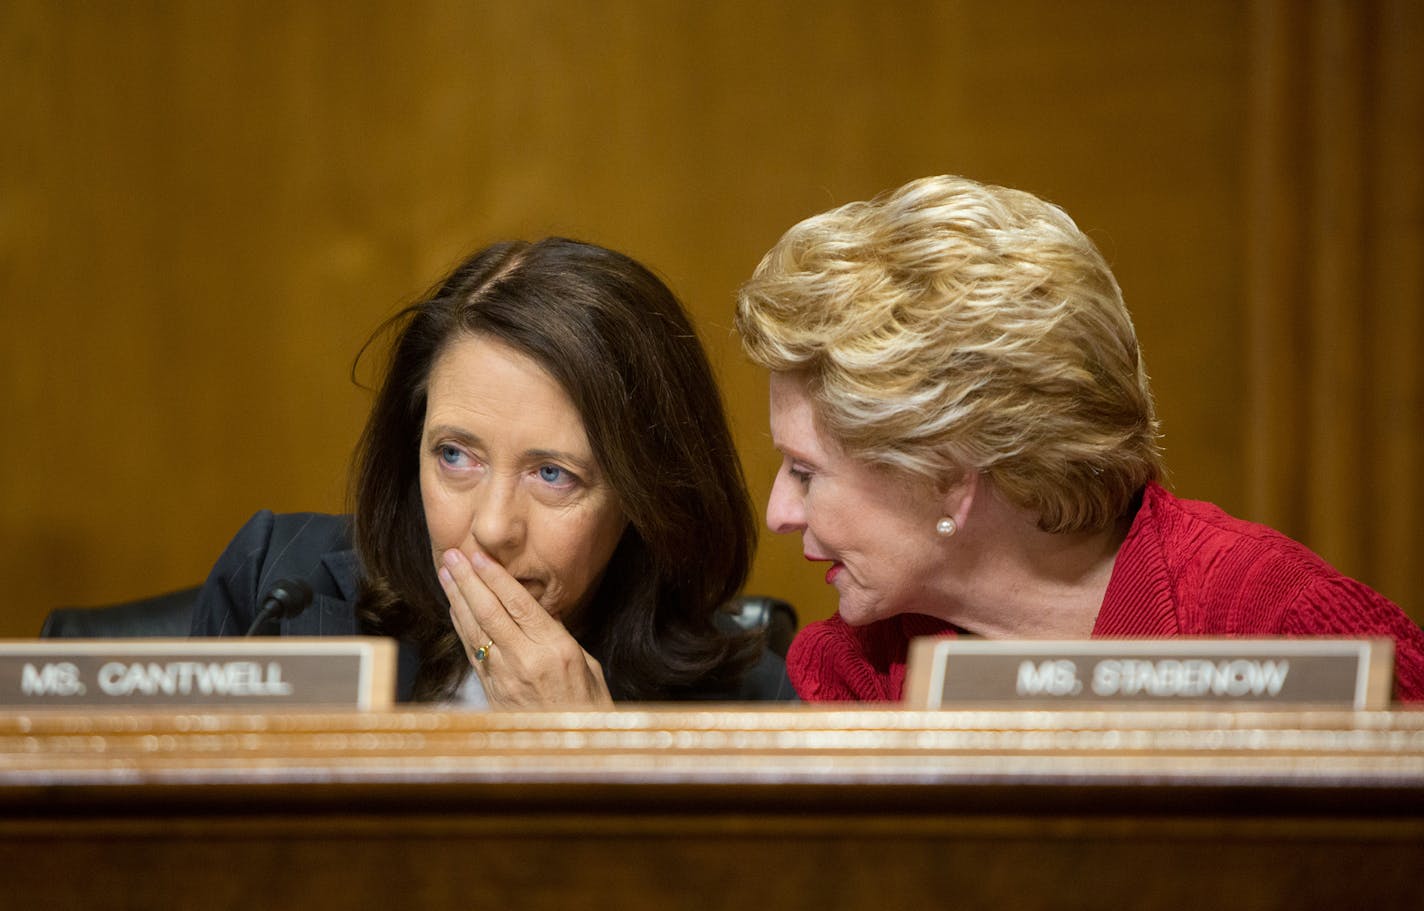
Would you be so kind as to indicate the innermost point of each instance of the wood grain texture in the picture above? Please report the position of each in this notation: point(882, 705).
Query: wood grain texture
point(658, 807)
point(715, 745)
point(1335, 301)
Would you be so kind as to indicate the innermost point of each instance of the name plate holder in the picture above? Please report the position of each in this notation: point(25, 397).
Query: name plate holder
point(1150, 673)
point(266, 672)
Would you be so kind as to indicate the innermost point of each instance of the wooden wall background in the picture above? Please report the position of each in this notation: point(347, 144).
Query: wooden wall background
point(205, 207)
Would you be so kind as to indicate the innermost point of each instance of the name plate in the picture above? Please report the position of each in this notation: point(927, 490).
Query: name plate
point(267, 672)
point(1150, 673)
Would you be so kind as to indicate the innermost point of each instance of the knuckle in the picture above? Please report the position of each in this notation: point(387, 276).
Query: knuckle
point(567, 653)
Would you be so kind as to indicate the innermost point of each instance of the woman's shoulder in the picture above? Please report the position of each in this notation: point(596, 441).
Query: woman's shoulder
point(1241, 572)
point(1204, 537)
point(293, 535)
point(314, 547)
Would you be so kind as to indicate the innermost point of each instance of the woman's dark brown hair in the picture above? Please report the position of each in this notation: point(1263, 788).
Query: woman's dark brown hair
point(620, 345)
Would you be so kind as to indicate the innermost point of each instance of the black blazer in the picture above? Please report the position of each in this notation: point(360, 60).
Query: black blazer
point(317, 548)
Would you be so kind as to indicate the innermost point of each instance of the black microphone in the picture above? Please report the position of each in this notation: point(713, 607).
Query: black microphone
point(287, 598)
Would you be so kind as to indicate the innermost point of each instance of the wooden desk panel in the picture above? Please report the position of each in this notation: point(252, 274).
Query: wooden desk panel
point(713, 808)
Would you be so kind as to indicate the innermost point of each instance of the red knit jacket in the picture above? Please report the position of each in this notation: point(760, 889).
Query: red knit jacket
point(1185, 569)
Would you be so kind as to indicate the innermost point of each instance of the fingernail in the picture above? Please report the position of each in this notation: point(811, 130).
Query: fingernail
point(452, 557)
point(478, 558)
point(444, 575)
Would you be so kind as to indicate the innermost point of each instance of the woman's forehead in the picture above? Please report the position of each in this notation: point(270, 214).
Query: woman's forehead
point(484, 387)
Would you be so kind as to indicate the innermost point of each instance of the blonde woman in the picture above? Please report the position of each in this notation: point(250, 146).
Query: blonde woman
point(968, 442)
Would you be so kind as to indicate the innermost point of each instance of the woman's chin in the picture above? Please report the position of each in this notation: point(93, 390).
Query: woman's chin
point(857, 612)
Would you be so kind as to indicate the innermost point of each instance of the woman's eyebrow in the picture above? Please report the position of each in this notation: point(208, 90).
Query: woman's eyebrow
point(459, 433)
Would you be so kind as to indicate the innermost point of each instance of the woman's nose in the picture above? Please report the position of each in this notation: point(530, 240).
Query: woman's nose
point(498, 520)
point(785, 508)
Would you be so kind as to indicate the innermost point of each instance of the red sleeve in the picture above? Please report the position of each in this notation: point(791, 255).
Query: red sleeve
point(1341, 606)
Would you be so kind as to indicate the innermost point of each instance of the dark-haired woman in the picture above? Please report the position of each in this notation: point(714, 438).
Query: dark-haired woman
point(548, 507)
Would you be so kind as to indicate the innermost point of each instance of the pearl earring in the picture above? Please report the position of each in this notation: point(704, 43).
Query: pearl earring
point(946, 527)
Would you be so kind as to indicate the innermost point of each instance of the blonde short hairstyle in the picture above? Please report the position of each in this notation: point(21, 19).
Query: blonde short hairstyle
point(950, 326)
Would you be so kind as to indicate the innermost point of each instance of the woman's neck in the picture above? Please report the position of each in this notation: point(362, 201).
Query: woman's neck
point(1009, 579)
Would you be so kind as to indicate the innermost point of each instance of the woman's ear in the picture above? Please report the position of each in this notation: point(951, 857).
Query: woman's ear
point(957, 501)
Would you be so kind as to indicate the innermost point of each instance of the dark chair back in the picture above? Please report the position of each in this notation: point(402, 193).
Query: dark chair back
point(163, 616)
point(776, 617)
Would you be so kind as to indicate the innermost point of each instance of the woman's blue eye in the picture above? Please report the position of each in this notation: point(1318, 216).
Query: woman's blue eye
point(450, 455)
point(551, 474)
